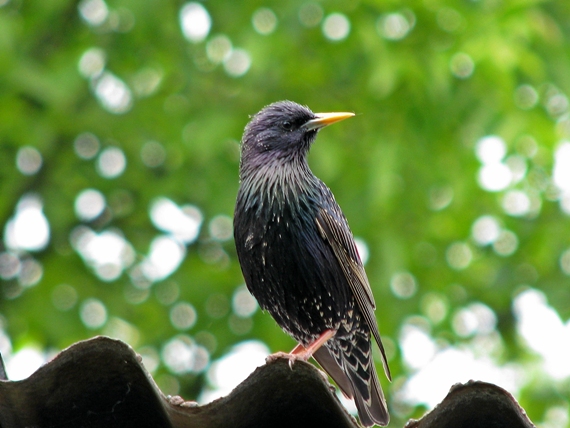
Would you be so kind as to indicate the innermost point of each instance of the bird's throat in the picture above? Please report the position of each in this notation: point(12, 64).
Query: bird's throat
point(279, 183)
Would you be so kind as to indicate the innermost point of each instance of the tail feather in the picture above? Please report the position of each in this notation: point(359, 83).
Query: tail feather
point(351, 366)
point(328, 362)
point(371, 406)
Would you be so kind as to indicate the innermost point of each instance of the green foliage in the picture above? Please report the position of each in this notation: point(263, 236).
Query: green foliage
point(427, 79)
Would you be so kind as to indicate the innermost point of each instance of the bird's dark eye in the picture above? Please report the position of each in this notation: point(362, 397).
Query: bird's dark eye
point(286, 125)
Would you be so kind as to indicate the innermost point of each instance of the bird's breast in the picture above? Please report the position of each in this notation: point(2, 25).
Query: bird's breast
point(287, 265)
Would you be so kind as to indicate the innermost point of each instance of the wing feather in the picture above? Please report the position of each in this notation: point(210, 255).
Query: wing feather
point(334, 229)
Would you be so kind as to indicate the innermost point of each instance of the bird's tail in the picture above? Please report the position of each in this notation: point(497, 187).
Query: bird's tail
point(351, 366)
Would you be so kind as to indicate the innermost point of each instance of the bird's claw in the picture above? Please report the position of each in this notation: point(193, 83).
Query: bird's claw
point(291, 357)
point(177, 400)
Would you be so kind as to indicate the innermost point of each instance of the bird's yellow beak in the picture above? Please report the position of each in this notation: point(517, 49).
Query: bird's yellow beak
point(325, 119)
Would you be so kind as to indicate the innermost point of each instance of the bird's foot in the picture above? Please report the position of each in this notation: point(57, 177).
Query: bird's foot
point(301, 353)
point(292, 357)
point(177, 400)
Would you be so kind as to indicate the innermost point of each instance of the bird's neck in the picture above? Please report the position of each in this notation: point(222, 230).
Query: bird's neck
point(278, 180)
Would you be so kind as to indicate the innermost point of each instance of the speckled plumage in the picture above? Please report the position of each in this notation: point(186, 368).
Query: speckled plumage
point(298, 254)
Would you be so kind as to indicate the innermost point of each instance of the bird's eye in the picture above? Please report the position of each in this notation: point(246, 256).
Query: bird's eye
point(286, 125)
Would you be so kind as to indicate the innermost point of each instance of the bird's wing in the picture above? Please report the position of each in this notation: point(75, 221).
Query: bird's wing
point(334, 229)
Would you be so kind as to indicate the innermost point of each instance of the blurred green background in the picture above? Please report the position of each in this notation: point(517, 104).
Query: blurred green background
point(120, 124)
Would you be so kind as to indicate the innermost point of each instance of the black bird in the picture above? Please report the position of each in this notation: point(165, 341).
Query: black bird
point(298, 255)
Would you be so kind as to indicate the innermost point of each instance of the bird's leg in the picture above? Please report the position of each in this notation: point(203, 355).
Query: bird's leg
point(304, 353)
point(301, 352)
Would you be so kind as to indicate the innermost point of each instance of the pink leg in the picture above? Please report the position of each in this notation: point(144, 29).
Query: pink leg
point(302, 353)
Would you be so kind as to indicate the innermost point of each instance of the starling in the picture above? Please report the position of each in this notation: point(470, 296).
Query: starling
point(298, 255)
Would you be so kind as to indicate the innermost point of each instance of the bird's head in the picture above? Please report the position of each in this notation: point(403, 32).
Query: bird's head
point(284, 130)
